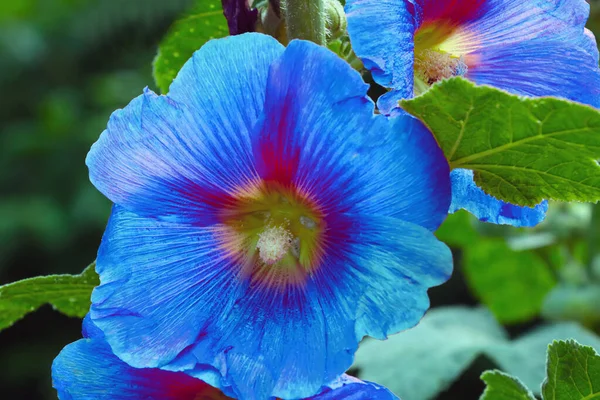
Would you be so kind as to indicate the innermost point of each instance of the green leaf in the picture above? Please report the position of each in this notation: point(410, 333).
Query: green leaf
point(573, 372)
point(447, 341)
point(573, 303)
point(526, 356)
point(423, 361)
point(513, 284)
point(205, 22)
point(501, 386)
point(69, 294)
point(458, 230)
point(522, 150)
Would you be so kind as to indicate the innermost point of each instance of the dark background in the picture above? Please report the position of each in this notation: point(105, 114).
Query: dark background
point(65, 65)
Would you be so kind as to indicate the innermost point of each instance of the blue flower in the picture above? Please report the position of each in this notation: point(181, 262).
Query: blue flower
point(88, 370)
point(531, 48)
point(265, 219)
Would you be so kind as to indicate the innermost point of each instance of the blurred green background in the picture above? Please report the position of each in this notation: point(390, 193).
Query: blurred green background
point(67, 64)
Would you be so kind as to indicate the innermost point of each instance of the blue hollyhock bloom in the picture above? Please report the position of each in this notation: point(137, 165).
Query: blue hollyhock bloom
point(88, 370)
point(530, 48)
point(265, 219)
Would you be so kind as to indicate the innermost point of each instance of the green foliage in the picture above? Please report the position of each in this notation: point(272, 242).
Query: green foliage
point(419, 363)
point(513, 284)
point(574, 303)
point(69, 294)
point(523, 273)
point(67, 64)
point(573, 372)
point(501, 386)
point(206, 21)
point(458, 230)
point(525, 357)
point(522, 150)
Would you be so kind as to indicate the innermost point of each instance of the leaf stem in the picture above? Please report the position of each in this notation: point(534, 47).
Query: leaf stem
point(306, 19)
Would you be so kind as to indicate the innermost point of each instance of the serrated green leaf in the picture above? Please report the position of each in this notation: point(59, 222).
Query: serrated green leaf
point(205, 22)
point(573, 372)
point(513, 284)
point(69, 294)
point(522, 150)
point(501, 386)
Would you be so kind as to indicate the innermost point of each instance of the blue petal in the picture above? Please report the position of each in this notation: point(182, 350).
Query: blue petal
point(319, 133)
point(504, 22)
point(382, 32)
point(224, 83)
point(90, 330)
point(388, 267)
point(165, 155)
point(88, 370)
point(349, 388)
point(149, 304)
point(417, 170)
point(467, 195)
point(540, 68)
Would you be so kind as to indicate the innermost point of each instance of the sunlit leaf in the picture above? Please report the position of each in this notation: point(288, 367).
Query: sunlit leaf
point(513, 284)
point(69, 294)
point(206, 21)
point(501, 386)
point(522, 150)
point(573, 372)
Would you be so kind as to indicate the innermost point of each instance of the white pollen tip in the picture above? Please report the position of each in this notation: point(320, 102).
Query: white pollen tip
point(273, 244)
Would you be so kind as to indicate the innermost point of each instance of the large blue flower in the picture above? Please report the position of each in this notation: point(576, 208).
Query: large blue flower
point(531, 48)
point(88, 370)
point(265, 219)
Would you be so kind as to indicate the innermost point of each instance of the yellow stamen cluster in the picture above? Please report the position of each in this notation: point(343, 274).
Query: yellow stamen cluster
point(432, 66)
point(274, 243)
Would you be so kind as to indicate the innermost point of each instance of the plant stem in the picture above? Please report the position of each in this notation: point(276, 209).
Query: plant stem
point(305, 19)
